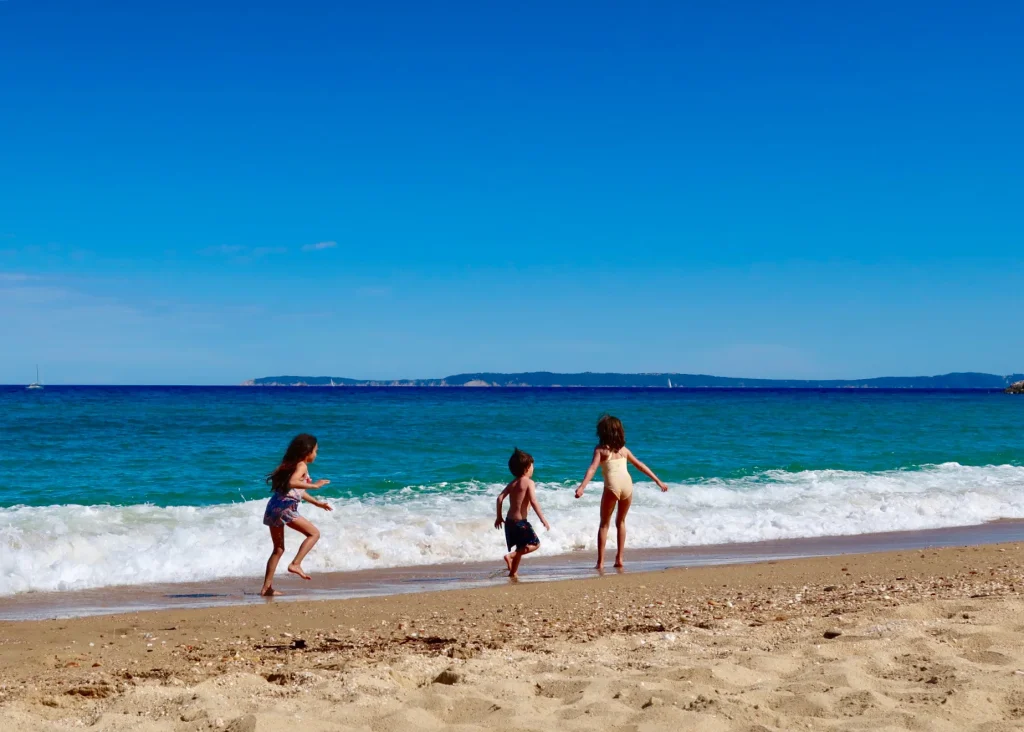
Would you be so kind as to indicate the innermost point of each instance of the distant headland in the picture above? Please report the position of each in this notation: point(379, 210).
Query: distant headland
point(546, 379)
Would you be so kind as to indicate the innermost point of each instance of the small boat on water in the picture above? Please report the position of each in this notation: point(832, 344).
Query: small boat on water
point(35, 384)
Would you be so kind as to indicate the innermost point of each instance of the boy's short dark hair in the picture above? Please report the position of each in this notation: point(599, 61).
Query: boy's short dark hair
point(520, 462)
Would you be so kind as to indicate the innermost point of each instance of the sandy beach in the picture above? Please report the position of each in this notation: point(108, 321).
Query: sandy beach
point(922, 640)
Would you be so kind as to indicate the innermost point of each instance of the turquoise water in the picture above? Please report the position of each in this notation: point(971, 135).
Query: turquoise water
point(105, 484)
point(201, 446)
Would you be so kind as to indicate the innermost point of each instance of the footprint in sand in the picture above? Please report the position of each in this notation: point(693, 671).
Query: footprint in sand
point(569, 692)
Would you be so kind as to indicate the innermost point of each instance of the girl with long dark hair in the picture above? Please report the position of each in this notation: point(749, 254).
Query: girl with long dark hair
point(289, 482)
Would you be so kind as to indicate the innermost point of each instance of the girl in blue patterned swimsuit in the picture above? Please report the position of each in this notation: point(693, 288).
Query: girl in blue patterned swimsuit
point(290, 481)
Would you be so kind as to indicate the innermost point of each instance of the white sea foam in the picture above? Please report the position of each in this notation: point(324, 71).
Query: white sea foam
point(74, 547)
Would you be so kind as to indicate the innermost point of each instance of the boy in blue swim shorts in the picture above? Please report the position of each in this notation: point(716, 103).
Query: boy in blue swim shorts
point(522, 495)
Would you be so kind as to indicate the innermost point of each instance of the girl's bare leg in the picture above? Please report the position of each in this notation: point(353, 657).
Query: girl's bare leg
point(277, 536)
point(517, 557)
point(608, 501)
point(312, 535)
point(620, 528)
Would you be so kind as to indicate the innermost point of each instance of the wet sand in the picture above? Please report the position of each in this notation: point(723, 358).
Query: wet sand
point(914, 639)
point(536, 568)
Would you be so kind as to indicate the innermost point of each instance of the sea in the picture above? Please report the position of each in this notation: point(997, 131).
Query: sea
point(122, 487)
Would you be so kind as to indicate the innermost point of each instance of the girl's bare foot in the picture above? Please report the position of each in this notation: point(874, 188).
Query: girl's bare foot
point(297, 569)
point(270, 592)
point(508, 563)
point(619, 564)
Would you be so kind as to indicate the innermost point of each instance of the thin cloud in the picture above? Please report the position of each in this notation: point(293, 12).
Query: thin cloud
point(242, 253)
point(319, 246)
point(264, 251)
point(15, 277)
point(223, 249)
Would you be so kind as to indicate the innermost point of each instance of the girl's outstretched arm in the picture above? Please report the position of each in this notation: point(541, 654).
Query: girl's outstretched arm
point(319, 504)
point(590, 472)
point(645, 470)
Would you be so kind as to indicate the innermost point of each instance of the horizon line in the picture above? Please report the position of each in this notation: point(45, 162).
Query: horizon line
point(413, 382)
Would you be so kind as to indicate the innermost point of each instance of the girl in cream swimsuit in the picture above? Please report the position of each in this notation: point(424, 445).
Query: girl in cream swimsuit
point(617, 479)
point(614, 457)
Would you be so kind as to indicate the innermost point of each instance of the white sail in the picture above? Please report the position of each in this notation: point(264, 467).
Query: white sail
point(36, 384)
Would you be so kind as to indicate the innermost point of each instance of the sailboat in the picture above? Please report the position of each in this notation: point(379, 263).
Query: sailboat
point(35, 384)
point(670, 383)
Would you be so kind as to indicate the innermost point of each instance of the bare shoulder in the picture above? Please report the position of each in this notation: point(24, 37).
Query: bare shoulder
point(301, 471)
point(528, 483)
point(626, 452)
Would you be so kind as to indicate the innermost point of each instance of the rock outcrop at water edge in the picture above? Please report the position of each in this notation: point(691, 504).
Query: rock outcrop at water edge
point(1015, 388)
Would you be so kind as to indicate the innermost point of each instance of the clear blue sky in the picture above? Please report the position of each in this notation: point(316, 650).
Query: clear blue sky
point(202, 192)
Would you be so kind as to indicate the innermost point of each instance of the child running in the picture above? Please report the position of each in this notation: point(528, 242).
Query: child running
point(612, 455)
point(290, 481)
point(522, 494)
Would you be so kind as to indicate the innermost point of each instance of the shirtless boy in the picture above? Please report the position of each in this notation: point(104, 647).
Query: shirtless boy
point(522, 494)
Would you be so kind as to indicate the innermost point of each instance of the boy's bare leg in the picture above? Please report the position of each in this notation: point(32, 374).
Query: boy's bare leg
point(508, 561)
point(517, 557)
point(608, 501)
point(312, 535)
point(620, 529)
point(277, 536)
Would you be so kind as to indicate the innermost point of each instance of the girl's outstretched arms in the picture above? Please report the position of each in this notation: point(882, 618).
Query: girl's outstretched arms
point(645, 470)
point(590, 472)
point(319, 504)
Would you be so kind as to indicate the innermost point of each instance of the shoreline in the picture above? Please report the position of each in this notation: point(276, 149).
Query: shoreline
point(920, 639)
point(396, 581)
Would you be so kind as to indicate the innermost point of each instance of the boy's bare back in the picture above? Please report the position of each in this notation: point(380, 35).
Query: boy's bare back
point(521, 493)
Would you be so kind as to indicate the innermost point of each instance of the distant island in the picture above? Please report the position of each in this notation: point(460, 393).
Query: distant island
point(546, 379)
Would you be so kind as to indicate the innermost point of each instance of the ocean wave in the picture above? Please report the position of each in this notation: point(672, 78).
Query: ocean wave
point(70, 547)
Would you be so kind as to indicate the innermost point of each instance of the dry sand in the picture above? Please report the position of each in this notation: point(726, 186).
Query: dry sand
point(927, 641)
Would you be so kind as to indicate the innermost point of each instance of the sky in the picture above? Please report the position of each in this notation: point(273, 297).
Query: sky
point(206, 192)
